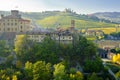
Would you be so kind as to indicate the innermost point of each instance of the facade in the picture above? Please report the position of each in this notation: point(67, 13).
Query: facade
point(36, 36)
point(59, 37)
point(64, 37)
point(14, 23)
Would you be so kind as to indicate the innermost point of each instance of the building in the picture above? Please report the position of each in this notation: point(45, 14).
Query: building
point(61, 37)
point(94, 33)
point(14, 23)
point(64, 37)
point(36, 36)
point(106, 46)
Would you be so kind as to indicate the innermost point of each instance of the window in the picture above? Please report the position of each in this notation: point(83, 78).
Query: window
point(42, 36)
point(15, 23)
point(8, 24)
point(11, 24)
point(12, 29)
point(8, 29)
point(29, 36)
point(63, 37)
point(36, 36)
point(21, 27)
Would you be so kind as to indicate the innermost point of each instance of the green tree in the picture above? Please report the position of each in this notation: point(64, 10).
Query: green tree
point(118, 74)
point(20, 47)
point(59, 72)
point(14, 77)
point(94, 77)
point(94, 65)
point(48, 51)
point(18, 64)
point(24, 49)
point(9, 61)
point(6, 73)
point(41, 71)
point(4, 49)
point(76, 76)
point(83, 50)
point(79, 75)
point(28, 70)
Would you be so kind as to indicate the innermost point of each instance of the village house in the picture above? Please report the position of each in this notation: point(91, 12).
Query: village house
point(94, 33)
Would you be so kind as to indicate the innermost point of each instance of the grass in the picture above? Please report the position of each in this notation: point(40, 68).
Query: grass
point(65, 20)
point(106, 30)
point(91, 38)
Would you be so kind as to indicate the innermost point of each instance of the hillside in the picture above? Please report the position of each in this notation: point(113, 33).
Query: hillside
point(112, 16)
point(81, 21)
point(54, 18)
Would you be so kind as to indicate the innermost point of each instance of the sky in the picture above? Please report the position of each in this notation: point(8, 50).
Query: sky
point(79, 6)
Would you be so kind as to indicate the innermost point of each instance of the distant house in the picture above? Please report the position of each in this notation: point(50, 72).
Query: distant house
point(94, 33)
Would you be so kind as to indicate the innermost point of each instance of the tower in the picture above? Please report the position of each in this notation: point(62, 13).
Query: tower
point(15, 12)
point(72, 27)
point(72, 23)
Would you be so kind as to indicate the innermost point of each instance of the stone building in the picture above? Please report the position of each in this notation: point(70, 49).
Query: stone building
point(59, 35)
point(14, 23)
point(64, 37)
